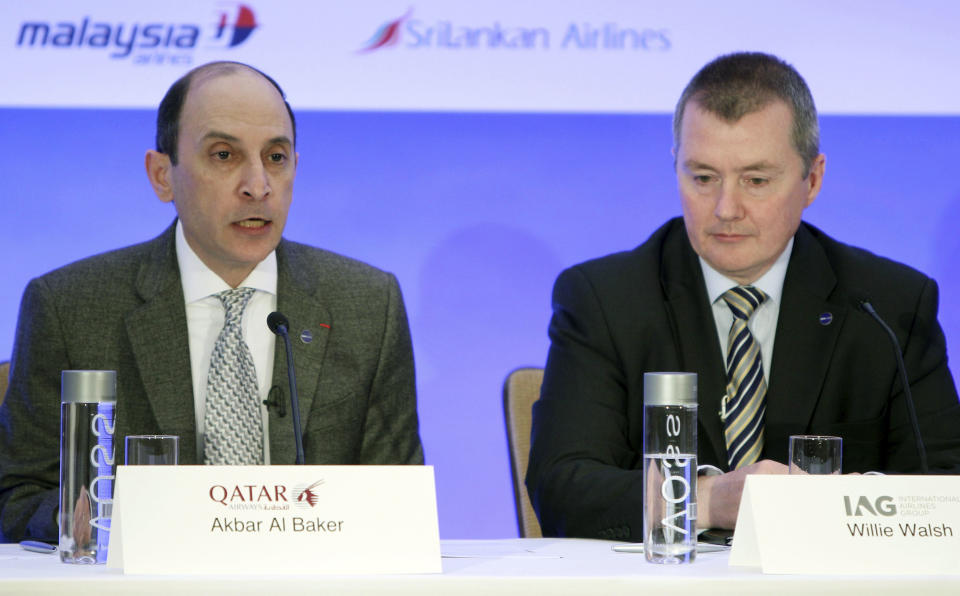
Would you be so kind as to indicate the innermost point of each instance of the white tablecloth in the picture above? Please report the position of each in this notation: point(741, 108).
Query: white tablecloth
point(529, 567)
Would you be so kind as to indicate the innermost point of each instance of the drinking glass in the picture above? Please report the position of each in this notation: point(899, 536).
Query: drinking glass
point(815, 454)
point(152, 450)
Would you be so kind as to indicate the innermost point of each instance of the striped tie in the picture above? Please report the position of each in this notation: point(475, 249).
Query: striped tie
point(745, 401)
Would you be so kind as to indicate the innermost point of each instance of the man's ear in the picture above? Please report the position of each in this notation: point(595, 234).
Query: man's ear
point(158, 172)
point(815, 178)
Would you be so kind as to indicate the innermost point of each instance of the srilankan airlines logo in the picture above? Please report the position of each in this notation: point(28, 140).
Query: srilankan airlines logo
point(171, 42)
point(446, 34)
point(387, 35)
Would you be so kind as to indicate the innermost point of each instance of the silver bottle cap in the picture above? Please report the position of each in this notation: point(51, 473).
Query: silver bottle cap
point(670, 389)
point(88, 386)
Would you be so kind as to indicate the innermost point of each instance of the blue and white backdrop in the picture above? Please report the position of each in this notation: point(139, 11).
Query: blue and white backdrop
point(475, 149)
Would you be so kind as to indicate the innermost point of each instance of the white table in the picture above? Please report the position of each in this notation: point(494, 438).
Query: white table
point(528, 567)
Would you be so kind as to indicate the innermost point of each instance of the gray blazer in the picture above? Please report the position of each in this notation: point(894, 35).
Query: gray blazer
point(124, 311)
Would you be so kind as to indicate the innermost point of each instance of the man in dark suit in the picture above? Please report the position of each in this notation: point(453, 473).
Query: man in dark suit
point(748, 164)
point(225, 157)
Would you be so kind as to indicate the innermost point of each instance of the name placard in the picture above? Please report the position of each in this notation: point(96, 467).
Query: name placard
point(275, 519)
point(849, 525)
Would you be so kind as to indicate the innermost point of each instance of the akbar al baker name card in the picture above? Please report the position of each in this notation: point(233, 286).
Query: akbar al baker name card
point(275, 519)
point(849, 524)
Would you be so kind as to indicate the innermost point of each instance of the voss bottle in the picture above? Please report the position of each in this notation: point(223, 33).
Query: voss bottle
point(88, 401)
point(670, 467)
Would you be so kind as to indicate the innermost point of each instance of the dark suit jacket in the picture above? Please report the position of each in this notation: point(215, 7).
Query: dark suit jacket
point(622, 315)
point(124, 311)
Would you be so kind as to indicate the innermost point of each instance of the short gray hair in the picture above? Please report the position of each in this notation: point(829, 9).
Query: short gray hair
point(734, 85)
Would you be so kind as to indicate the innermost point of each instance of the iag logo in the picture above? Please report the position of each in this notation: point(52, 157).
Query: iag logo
point(170, 42)
point(882, 505)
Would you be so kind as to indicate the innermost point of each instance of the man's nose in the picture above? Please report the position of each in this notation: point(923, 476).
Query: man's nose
point(255, 183)
point(729, 204)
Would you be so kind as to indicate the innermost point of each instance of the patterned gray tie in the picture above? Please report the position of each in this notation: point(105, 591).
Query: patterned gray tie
point(233, 429)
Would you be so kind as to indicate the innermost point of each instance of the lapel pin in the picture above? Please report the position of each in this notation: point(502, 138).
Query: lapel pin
point(826, 318)
point(305, 336)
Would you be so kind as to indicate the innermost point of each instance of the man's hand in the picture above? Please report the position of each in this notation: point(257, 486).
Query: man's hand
point(718, 497)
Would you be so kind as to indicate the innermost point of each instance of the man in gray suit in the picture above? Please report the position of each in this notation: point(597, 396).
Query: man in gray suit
point(226, 159)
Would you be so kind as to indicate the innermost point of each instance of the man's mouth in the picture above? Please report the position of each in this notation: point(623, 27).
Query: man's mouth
point(252, 223)
point(727, 234)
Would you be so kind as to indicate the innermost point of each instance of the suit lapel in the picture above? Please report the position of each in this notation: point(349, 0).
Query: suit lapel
point(695, 334)
point(158, 335)
point(804, 346)
point(296, 298)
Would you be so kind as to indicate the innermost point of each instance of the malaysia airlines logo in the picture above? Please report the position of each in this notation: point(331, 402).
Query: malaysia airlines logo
point(160, 42)
point(244, 23)
point(387, 35)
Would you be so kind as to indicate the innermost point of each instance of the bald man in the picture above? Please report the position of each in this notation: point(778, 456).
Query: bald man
point(226, 159)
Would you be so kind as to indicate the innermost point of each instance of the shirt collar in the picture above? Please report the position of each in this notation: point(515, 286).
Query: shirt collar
point(770, 282)
point(199, 281)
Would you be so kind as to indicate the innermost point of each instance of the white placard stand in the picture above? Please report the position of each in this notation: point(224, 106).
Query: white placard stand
point(849, 524)
point(275, 519)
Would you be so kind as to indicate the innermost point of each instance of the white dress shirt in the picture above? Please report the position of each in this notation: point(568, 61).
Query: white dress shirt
point(205, 317)
point(763, 323)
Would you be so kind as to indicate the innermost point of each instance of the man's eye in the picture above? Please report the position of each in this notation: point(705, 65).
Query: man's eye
point(703, 179)
point(222, 155)
point(277, 157)
point(756, 181)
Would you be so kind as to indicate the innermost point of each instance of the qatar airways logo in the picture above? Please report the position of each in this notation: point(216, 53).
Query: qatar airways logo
point(171, 42)
point(409, 32)
point(307, 497)
point(265, 497)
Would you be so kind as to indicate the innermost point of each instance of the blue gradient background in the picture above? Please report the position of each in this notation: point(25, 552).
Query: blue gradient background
point(476, 214)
